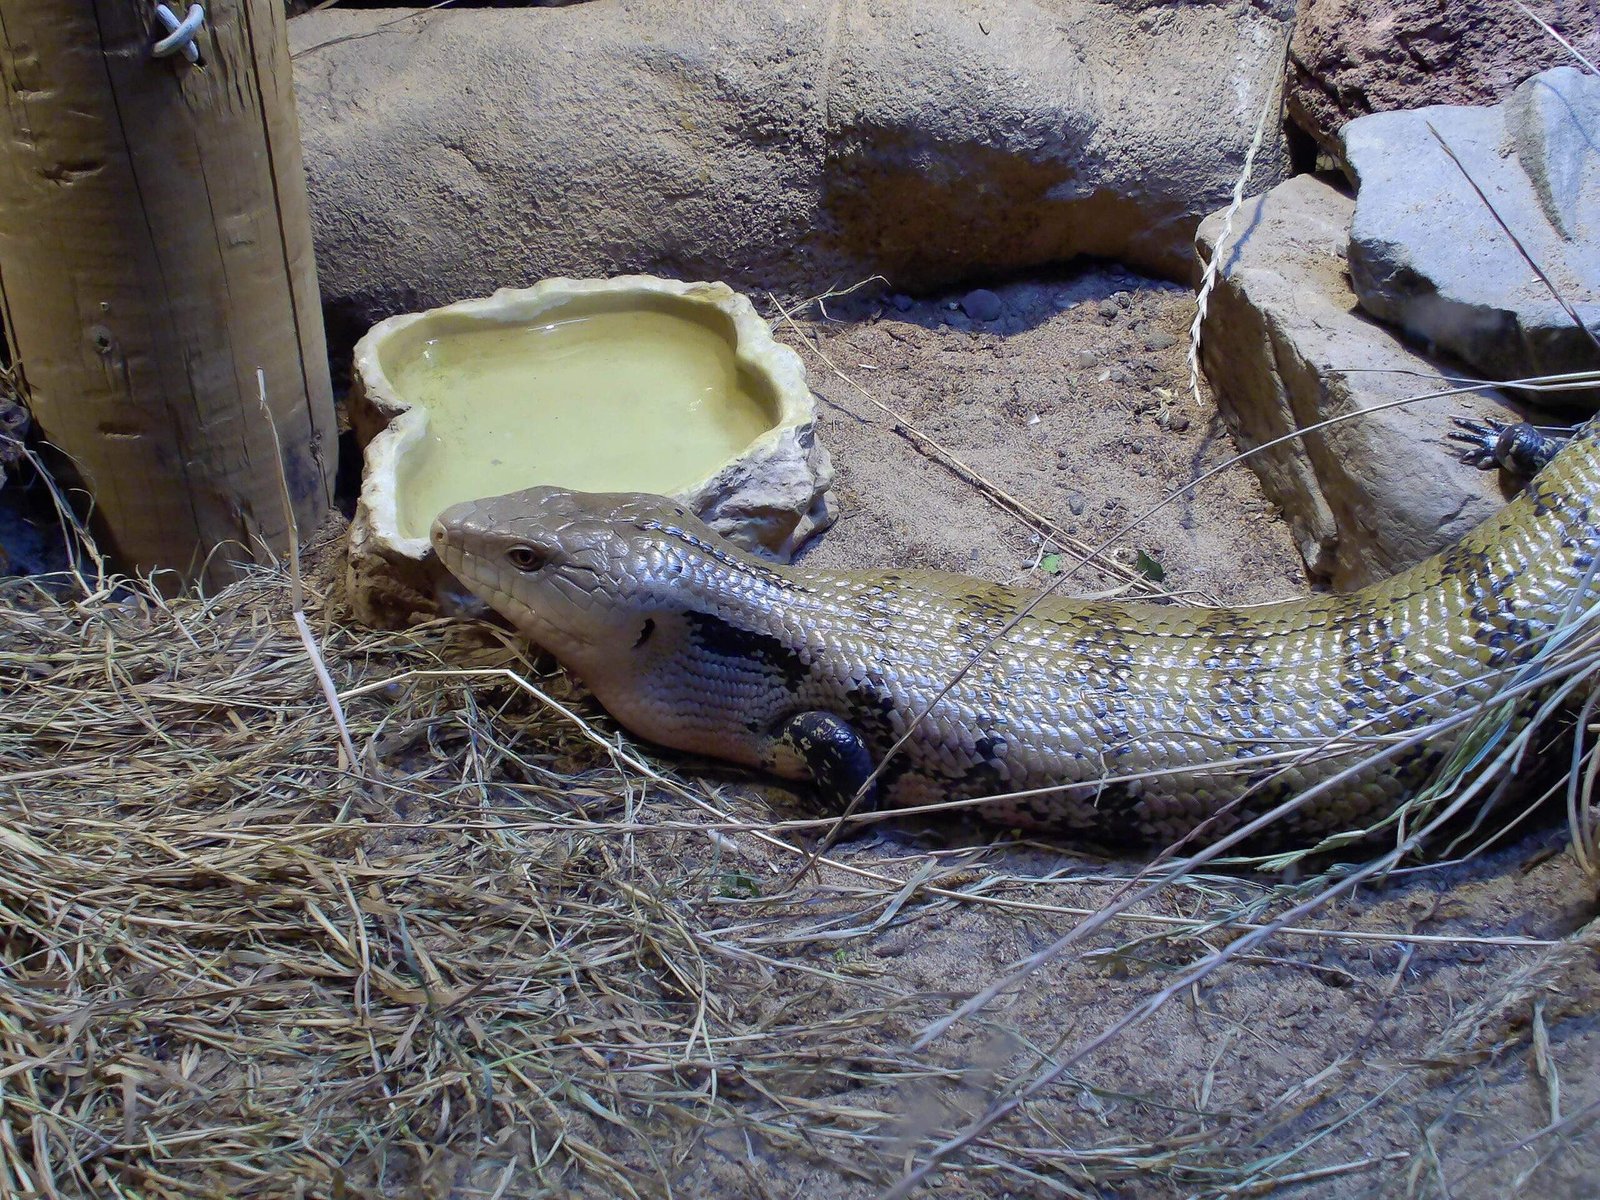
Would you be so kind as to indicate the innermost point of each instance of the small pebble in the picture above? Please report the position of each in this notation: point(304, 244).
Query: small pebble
point(1086, 360)
point(1076, 504)
point(1109, 309)
point(901, 302)
point(1123, 299)
point(1177, 422)
point(982, 305)
point(1159, 340)
point(1118, 375)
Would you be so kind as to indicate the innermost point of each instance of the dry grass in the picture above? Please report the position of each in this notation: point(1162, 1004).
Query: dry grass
point(502, 955)
point(291, 908)
point(230, 961)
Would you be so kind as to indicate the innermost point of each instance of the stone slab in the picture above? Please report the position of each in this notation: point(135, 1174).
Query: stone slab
point(1286, 347)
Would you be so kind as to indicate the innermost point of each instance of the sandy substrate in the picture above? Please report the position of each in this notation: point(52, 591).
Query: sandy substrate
point(1072, 409)
point(1388, 1057)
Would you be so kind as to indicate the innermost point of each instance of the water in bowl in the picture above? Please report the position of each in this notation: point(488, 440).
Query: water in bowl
point(639, 401)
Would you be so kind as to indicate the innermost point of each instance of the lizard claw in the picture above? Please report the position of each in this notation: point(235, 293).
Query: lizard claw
point(1481, 438)
point(1518, 447)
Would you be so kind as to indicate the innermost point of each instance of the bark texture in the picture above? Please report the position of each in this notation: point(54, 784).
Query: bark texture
point(155, 250)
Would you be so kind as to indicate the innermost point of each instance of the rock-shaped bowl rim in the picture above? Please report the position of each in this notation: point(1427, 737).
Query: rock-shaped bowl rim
point(754, 350)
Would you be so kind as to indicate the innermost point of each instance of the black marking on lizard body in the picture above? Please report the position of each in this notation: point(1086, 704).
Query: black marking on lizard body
point(723, 639)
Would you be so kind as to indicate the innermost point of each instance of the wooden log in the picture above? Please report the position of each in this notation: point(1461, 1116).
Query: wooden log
point(155, 250)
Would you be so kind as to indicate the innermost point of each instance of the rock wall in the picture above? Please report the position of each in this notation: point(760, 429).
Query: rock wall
point(788, 146)
point(1349, 58)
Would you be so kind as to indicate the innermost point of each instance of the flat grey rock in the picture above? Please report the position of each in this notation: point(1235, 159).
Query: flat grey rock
point(1428, 255)
point(1286, 347)
point(791, 145)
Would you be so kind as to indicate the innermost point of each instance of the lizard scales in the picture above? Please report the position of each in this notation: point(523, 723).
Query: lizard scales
point(694, 644)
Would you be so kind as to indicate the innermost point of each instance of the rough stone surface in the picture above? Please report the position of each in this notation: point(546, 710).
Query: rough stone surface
point(1427, 254)
point(1369, 496)
point(1349, 58)
point(795, 146)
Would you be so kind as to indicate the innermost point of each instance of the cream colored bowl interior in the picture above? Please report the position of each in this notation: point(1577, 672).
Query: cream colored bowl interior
point(599, 393)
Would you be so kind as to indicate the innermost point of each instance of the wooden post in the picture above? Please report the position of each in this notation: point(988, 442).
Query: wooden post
point(155, 250)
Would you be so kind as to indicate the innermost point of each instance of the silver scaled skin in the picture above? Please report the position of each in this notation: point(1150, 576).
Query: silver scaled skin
point(813, 674)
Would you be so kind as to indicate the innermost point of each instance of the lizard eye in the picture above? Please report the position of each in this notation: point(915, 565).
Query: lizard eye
point(527, 558)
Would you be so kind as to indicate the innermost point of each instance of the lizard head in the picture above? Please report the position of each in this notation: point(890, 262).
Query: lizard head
point(578, 573)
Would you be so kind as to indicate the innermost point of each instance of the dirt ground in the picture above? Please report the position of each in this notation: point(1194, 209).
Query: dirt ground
point(508, 959)
point(1073, 409)
point(1393, 1058)
point(1439, 1041)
